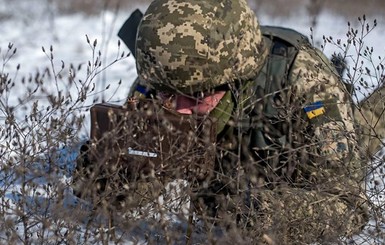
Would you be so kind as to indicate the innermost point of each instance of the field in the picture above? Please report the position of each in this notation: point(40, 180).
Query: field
point(58, 58)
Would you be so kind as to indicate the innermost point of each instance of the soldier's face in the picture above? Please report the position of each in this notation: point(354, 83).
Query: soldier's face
point(200, 104)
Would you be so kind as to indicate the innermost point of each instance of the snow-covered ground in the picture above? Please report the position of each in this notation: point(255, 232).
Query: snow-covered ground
point(31, 26)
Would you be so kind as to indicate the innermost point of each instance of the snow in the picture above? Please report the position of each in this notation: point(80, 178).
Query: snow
point(31, 26)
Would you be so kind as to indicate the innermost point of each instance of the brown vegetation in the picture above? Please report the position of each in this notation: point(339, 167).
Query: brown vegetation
point(37, 211)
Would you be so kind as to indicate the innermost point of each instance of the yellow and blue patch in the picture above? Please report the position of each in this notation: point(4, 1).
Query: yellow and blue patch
point(315, 109)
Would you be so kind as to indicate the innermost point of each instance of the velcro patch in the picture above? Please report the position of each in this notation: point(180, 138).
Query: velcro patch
point(322, 112)
point(315, 109)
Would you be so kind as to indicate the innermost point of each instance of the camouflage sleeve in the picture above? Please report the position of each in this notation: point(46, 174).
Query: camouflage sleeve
point(332, 203)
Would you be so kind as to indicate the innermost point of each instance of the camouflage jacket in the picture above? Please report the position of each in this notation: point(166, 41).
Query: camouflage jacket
point(290, 150)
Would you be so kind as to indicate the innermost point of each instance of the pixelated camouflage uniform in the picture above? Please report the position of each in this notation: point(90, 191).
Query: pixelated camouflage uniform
point(281, 172)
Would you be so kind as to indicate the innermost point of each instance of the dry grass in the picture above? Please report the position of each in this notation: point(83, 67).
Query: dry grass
point(37, 213)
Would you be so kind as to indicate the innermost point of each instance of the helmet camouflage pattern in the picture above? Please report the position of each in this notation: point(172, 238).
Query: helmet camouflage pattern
point(195, 45)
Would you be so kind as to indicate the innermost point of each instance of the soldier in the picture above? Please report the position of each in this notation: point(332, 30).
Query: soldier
point(287, 163)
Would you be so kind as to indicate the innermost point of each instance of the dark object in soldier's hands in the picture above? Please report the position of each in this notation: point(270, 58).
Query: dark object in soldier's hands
point(150, 140)
point(143, 142)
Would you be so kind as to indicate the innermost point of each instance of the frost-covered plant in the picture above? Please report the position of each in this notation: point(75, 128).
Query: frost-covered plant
point(364, 68)
point(43, 117)
point(44, 114)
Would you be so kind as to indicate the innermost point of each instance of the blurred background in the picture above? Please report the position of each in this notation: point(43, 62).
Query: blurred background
point(351, 8)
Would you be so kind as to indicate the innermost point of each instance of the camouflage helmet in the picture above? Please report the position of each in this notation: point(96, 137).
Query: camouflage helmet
point(195, 45)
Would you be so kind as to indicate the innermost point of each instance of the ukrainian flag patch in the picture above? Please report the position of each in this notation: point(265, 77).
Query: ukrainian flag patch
point(315, 109)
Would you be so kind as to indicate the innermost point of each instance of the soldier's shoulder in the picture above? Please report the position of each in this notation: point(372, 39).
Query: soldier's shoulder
point(288, 35)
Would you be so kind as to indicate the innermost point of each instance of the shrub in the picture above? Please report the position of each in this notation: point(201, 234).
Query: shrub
point(41, 139)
